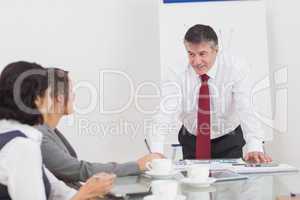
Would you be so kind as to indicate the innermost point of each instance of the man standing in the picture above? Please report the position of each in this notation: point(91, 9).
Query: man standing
point(214, 105)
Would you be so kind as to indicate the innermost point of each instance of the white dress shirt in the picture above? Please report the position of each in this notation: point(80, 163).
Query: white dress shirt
point(21, 166)
point(230, 99)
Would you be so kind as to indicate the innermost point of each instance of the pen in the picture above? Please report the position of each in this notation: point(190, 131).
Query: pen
point(238, 164)
point(246, 164)
point(147, 145)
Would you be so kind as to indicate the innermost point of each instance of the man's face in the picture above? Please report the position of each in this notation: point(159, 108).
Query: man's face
point(201, 56)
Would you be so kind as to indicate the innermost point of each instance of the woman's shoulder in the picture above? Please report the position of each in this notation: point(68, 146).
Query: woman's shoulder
point(20, 147)
point(47, 132)
point(13, 127)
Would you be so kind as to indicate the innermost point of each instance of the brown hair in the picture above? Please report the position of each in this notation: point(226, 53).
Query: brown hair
point(59, 82)
point(17, 99)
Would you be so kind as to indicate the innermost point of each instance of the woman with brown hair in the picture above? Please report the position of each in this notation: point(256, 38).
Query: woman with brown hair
point(23, 85)
point(58, 154)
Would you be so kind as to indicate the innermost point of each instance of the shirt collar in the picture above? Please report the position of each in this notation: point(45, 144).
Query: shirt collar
point(48, 127)
point(212, 72)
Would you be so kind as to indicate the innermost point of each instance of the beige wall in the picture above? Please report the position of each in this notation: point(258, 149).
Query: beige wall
point(284, 41)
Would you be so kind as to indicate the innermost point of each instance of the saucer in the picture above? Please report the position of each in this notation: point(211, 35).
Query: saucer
point(198, 183)
point(157, 175)
point(153, 197)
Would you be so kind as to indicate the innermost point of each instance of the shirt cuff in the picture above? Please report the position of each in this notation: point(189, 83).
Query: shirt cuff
point(130, 168)
point(71, 193)
point(254, 145)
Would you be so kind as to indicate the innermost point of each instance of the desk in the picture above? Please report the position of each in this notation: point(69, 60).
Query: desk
point(287, 198)
point(258, 187)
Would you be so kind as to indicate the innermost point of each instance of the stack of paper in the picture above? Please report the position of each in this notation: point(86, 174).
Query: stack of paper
point(217, 164)
point(281, 168)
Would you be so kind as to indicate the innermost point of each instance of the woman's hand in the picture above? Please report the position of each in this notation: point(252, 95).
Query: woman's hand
point(97, 186)
point(148, 158)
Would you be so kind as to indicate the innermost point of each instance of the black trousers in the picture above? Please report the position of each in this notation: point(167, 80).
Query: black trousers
point(227, 146)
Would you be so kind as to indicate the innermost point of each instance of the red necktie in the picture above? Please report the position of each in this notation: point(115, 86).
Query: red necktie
point(203, 150)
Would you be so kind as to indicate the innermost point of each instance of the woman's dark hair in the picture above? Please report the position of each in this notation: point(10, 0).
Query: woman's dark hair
point(59, 83)
point(20, 85)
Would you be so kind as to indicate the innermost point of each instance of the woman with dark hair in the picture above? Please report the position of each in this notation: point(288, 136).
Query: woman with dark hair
point(58, 154)
point(22, 176)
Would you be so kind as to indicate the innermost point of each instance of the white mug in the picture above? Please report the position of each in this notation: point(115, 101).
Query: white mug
point(160, 166)
point(199, 172)
point(165, 189)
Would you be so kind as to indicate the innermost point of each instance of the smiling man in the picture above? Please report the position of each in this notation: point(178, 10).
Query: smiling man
point(215, 103)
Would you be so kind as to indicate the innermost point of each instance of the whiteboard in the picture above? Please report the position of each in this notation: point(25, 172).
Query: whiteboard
point(241, 28)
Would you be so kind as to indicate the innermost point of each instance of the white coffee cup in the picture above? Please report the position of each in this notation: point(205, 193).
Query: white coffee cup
point(160, 166)
point(198, 172)
point(165, 189)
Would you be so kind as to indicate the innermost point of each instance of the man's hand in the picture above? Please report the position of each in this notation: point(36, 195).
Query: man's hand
point(148, 158)
point(257, 157)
